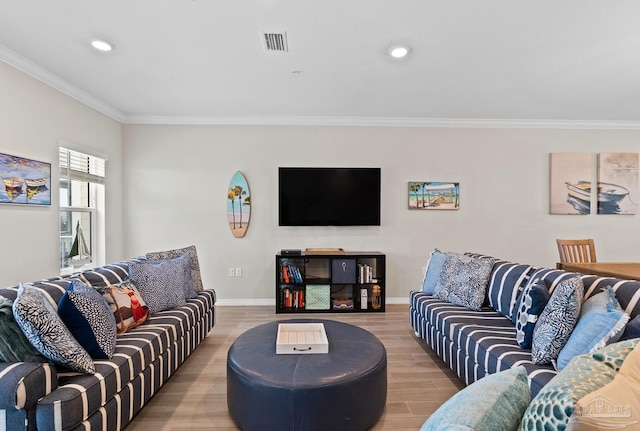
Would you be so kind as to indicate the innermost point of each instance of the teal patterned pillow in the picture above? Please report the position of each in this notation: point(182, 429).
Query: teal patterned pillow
point(463, 280)
point(557, 321)
point(494, 403)
point(47, 333)
point(551, 408)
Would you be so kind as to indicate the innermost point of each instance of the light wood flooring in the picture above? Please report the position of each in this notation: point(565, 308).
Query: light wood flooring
point(195, 397)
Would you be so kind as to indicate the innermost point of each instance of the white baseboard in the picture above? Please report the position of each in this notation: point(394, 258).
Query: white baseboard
point(271, 302)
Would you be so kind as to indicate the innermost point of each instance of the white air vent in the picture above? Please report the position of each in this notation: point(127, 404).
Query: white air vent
point(276, 41)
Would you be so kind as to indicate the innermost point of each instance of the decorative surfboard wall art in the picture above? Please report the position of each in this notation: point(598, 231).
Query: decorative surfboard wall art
point(238, 205)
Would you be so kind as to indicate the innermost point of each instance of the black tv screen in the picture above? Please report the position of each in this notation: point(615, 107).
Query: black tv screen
point(329, 196)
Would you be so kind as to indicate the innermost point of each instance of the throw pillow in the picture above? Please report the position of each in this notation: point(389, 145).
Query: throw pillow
point(14, 346)
point(89, 319)
point(162, 282)
point(531, 303)
point(127, 306)
point(47, 333)
point(632, 330)
point(557, 320)
point(463, 280)
point(434, 268)
point(616, 405)
point(494, 403)
point(551, 408)
point(601, 322)
point(194, 265)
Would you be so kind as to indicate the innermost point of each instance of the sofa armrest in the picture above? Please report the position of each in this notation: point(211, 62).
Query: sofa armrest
point(22, 384)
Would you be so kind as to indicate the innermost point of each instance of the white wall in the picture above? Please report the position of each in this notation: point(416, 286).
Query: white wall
point(33, 118)
point(177, 177)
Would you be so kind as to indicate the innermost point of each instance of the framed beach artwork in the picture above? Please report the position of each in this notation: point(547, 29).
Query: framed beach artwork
point(238, 205)
point(24, 181)
point(434, 195)
point(617, 183)
point(570, 183)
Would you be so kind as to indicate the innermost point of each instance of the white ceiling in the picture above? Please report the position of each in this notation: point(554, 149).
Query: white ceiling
point(473, 62)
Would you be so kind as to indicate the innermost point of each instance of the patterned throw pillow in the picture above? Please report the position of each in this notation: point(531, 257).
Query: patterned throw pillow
point(47, 333)
point(463, 280)
point(557, 320)
point(162, 282)
point(601, 322)
point(494, 403)
point(14, 346)
point(127, 306)
point(434, 268)
point(89, 319)
point(194, 265)
point(531, 303)
point(551, 408)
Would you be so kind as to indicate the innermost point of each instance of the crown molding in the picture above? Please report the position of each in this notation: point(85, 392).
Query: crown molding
point(386, 122)
point(21, 63)
point(30, 68)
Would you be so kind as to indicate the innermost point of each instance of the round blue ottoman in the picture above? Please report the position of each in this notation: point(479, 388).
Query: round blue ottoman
point(345, 389)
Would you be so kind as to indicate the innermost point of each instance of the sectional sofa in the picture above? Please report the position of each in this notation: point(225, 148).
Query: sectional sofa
point(476, 343)
point(43, 395)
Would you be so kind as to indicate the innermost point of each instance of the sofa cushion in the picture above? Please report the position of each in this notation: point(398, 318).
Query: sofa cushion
point(530, 305)
point(47, 333)
point(626, 291)
point(163, 282)
point(106, 275)
point(551, 408)
point(194, 265)
point(601, 322)
point(127, 305)
point(632, 329)
point(463, 280)
point(506, 283)
point(89, 319)
point(493, 403)
point(434, 268)
point(557, 320)
point(14, 346)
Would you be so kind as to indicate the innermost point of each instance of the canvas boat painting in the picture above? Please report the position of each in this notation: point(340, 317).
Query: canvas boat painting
point(570, 183)
point(617, 183)
point(24, 181)
point(238, 205)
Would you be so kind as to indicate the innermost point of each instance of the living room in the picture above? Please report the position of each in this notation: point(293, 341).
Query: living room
point(167, 180)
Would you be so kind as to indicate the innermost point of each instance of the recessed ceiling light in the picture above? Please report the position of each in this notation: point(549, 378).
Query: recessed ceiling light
point(102, 45)
point(399, 51)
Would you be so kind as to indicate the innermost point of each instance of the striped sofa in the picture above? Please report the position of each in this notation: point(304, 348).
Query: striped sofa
point(477, 343)
point(40, 396)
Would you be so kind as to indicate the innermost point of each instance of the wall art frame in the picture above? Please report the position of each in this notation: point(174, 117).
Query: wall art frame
point(433, 195)
point(24, 181)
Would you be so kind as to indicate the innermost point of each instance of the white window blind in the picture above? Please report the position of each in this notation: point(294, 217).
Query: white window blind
point(82, 167)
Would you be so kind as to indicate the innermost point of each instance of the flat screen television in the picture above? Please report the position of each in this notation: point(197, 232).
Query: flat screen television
point(328, 196)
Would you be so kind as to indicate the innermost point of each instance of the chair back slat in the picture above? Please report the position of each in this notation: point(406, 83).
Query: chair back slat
point(576, 250)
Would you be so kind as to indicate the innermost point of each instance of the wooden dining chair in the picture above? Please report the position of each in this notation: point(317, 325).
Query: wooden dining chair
point(576, 250)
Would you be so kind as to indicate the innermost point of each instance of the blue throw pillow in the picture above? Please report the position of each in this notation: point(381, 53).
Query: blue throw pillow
point(44, 329)
point(494, 403)
point(531, 303)
point(463, 280)
point(555, 324)
point(162, 283)
point(601, 322)
point(89, 318)
point(434, 267)
point(632, 330)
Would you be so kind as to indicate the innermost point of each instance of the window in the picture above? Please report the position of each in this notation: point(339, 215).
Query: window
point(82, 178)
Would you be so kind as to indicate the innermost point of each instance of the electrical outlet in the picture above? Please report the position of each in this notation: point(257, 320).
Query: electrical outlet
point(238, 272)
point(232, 272)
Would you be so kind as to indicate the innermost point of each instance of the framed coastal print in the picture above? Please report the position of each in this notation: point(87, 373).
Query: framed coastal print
point(24, 181)
point(617, 183)
point(434, 195)
point(570, 183)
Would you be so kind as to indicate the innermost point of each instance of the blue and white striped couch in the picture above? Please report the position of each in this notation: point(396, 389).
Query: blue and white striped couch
point(476, 343)
point(37, 396)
